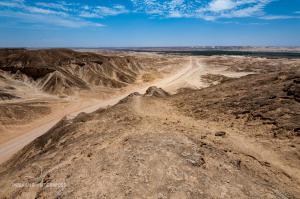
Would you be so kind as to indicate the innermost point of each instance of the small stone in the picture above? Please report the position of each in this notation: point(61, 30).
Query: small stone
point(196, 163)
point(128, 192)
point(238, 163)
point(220, 133)
point(267, 164)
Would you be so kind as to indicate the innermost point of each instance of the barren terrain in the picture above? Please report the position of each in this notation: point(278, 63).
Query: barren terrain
point(34, 110)
point(220, 127)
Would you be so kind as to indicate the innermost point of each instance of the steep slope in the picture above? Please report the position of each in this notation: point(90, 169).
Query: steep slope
point(63, 71)
point(57, 83)
point(154, 147)
point(266, 99)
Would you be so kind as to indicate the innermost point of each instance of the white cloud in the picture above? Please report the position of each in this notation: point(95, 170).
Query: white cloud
point(43, 11)
point(220, 5)
point(255, 10)
point(276, 17)
point(49, 19)
point(22, 6)
point(55, 6)
point(86, 14)
point(103, 11)
point(12, 4)
point(58, 13)
point(204, 9)
point(78, 15)
point(115, 10)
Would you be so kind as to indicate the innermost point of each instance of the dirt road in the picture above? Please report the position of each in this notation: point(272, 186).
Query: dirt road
point(188, 76)
point(7, 149)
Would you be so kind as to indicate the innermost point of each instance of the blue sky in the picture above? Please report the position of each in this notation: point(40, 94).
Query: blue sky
point(134, 23)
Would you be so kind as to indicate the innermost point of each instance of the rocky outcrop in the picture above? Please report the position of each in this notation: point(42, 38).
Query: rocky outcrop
point(129, 97)
point(293, 89)
point(156, 92)
point(7, 96)
point(213, 79)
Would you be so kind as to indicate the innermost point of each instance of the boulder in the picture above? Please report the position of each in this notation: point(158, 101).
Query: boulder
point(156, 92)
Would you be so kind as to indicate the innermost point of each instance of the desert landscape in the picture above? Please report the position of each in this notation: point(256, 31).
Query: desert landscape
point(149, 99)
point(131, 124)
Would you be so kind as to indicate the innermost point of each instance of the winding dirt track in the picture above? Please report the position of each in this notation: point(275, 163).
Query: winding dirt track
point(188, 76)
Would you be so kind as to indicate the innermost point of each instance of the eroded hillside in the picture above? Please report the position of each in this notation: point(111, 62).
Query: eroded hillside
point(63, 71)
point(39, 87)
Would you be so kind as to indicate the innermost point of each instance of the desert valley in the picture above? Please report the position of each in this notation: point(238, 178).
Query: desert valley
point(139, 124)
